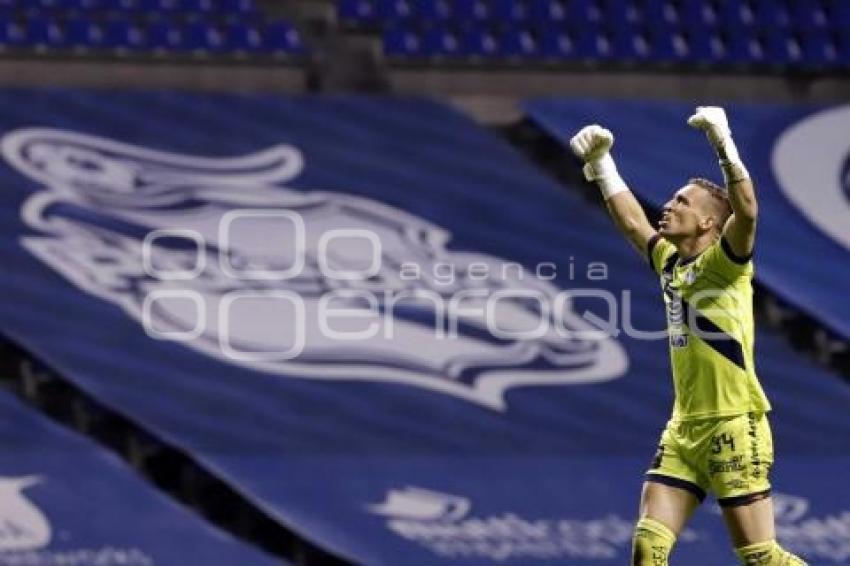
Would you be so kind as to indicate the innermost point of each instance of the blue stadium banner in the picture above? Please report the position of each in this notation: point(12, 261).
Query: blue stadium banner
point(64, 500)
point(375, 320)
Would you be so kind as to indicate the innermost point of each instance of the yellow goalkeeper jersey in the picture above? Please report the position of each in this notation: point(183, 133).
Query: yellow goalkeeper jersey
point(709, 304)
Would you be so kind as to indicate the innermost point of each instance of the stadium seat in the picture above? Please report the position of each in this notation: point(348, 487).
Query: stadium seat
point(12, 33)
point(696, 13)
point(471, 11)
point(120, 5)
point(837, 14)
point(43, 32)
point(402, 41)
point(808, 15)
point(163, 35)
point(124, 35)
point(583, 13)
point(621, 15)
point(781, 49)
point(704, 46)
point(628, 45)
point(668, 45)
point(394, 9)
point(660, 13)
point(556, 43)
point(84, 33)
point(360, 11)
point(242, 37)
point(519, 42)
point(480, 41)
point(771, 14)
point(819, 50)
point(510, 11)
point(433, 10)
point(742, 49)
point(282, 37)
point(236, 7)
point(441, 41)
point(548, 11)
point(735, 14)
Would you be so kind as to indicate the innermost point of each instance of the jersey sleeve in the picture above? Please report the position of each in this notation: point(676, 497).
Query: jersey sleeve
point(658, 251)
point(721, 260)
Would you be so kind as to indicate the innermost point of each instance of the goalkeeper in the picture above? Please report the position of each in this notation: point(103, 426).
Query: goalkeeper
point(718, 438)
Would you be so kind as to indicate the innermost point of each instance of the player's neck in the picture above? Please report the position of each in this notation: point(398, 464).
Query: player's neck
point(693, 246)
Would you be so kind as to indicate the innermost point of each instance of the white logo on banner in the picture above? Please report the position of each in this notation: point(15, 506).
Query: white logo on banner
point(26, 533)
point(103, 202)
point(22, 525)
point(811, 161)
point(444, 524)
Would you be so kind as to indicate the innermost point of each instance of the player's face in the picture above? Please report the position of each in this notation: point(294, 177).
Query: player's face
point(682, 214)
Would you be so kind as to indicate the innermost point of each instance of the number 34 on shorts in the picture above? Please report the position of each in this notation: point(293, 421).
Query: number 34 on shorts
point(730, 456)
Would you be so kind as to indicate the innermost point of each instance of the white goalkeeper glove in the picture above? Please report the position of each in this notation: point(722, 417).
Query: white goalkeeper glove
point(712, 120)
point(592, 145)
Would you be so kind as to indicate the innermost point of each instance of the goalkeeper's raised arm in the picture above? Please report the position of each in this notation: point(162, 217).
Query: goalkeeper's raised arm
point(593, 146)
point(740, 229)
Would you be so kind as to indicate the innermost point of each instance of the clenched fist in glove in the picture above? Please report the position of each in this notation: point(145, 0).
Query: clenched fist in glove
point(592, 145)
point(712, 120)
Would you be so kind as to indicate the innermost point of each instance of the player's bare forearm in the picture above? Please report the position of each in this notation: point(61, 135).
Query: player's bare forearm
point(630, 219)
point(592, 145)
point(742, 198)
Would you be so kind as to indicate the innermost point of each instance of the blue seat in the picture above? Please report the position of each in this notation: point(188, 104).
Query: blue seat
point(838, 14)
point(44, 31)
point(394, 9)
point(819, 50)
point(197, 6)
point(402, 41)
point(548, 11)
point(361, 11)
point(628, 45)
point(556, 43)
point(12, 33)
point(163, 35)
point(433, 10)
point(583, 13)
point(83, 5)
point(668, 45)
point(697, 13)
point(48, 4)
point(660, 14)
point(509, 11)
point(236, 7)
point(243, 37)
point(781, 49)
point(735, 14)
point(704, 46)
point(119, 5)
point(519, 42)
point(84, 33)
point(621, 15)
point(808, 15)
point(441, 41)
point(125, 35)
point(771, 14)
point(743, 48)
point(281, 37)
point(471, 11)
point(592, 44)
point(480, 41)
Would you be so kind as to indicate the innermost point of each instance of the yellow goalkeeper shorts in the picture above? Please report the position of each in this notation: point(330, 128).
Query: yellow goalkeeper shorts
point(729, 456)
